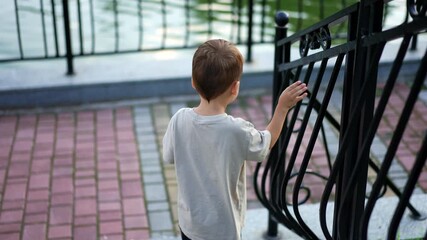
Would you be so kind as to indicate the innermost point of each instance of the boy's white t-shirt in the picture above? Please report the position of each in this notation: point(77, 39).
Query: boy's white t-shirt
point(209, 153)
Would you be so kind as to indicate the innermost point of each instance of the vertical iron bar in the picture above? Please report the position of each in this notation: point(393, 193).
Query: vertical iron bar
point(371, 126)
point(140, 25)
point(232, 21)
point(414, 42)
point(210, 18)
point(348, 190)
point(350, 208)
point(375, 22)
point(43, 29)
point(321, 10)
point(249, 41)
point(264, 6)
point(300, 17)
point(273, 227)
point(79, 18)
point(187, 23)
point(68, 45)
point(164, 24)
point(116, 26)
point(18, 30)
point(92, 26)
point(239, 20)
point(345, 127)
point(55, 31)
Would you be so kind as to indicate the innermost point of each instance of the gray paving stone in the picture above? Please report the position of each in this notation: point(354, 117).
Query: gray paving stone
point(418, 190)
point(398, 175)
point(149, 155)
point(154, 185)
point(378, 148)
point(160, 221)
point(164, 235)
point(399, 182)
point(150, 162)
point(423, 95)
point(155, 192)
point(143, 130)
point(331, 138)
point(333, 147)
point(150, 178)
point(148, 147)
point(396, 168)
point(152, 169)
point(146, 138)
point(143, 118)
point(158, 206)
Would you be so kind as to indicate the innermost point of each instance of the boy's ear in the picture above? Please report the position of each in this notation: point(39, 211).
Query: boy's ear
point(192, 83)
point(235, 87)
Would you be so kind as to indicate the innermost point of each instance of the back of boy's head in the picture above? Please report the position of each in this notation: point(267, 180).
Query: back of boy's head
point(216, 65)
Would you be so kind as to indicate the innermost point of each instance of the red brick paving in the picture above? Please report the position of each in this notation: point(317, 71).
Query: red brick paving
point(70, 175)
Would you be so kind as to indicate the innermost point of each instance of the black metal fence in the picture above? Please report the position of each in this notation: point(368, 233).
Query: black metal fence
point(279, 181)
point(49, 29)
point(72, 28)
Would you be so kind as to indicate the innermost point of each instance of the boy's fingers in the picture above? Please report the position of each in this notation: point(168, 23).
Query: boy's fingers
point(296, 86)
point(300, 97)
point(300, 90)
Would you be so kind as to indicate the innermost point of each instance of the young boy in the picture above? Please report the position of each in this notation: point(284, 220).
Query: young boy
point(209, 147)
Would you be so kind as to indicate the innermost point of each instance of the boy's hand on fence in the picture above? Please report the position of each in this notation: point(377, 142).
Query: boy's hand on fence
point(289, 97)
point(292, 94)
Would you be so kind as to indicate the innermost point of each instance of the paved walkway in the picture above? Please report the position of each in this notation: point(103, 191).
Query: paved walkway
point(95, 172)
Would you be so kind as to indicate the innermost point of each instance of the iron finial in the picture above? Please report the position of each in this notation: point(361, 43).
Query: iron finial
point(282, 18)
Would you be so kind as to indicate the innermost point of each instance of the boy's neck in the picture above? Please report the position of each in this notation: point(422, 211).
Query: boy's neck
point(213, 107)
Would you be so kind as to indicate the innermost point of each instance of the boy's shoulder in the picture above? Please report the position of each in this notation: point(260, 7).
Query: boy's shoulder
point(181, 112)
point(229, 120)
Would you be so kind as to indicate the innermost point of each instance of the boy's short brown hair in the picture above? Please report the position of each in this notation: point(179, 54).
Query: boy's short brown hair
point(216, 65)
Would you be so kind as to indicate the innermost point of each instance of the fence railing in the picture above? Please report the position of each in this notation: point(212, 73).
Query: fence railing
point(279, 181)
point(50, 29)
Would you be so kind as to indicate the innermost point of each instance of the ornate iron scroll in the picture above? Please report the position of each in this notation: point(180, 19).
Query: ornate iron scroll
point(417, 8)
point(314, 40)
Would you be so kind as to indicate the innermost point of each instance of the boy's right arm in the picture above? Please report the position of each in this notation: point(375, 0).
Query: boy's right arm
point(289, 97)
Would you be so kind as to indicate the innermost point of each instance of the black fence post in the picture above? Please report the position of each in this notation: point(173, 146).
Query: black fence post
point(250, 23)
point(414, 42)
point(348, 216)
point(281, 54)
point(68, 45)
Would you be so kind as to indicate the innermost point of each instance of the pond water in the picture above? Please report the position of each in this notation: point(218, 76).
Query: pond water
point(127, 25)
